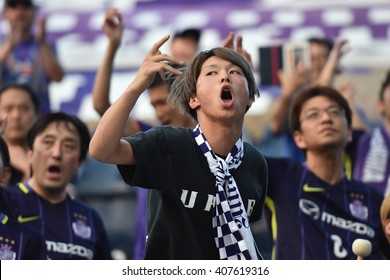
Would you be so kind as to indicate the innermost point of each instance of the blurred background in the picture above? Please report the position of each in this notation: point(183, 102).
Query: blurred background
point(75, 27)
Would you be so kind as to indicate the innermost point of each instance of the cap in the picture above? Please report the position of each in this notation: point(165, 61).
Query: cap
point(15, 3)
point(193, 33)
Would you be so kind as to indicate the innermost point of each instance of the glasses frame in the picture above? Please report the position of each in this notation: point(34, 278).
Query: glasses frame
point(319, 112)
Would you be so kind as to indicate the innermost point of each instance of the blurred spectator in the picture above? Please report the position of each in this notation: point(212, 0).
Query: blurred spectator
point(185, 44)
point(17, 241)
point(372, 164)
point(5, 158)
point(325, 56)
point(315, 211)
point(26, 57)
point(19, 107)
point(158, 93)
point(58, 144)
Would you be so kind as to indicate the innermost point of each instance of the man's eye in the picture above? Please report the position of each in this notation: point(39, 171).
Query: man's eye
point(70, 147)
point(312, 115)
point(335, 112)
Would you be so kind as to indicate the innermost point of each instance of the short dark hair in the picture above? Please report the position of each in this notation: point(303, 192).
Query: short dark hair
point(15, 3)
point(302, 97)
point(4, 152)
point(190, 33)
point(326, 42)
point(26, 88)
point(385, 83)
point(59, 117)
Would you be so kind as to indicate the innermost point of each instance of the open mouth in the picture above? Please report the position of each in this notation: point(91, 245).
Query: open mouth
point(54, 169)
point(226, 95)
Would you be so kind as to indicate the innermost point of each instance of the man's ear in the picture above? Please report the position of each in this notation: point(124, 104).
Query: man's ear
point(380, 107)
point(250, 102)
point(299, 139)
point(29, 156)
point(194, 102)
point(350, 134)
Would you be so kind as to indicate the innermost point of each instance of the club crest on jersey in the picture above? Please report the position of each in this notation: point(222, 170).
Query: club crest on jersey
point(6, 252)
point(358, 210)
point(81, 228)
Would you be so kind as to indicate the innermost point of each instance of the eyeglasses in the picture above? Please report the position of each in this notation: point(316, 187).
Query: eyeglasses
point(316, 113)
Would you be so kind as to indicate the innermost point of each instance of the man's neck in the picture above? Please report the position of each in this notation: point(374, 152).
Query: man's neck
point(328, 167)
point(220, 137)
point(53, 196)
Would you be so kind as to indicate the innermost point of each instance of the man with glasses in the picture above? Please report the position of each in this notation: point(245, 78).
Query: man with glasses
point(314, 209)
point(372, 164)
point(26, 57)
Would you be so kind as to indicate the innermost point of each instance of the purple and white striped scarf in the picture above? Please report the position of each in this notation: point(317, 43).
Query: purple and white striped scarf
point(233, 236)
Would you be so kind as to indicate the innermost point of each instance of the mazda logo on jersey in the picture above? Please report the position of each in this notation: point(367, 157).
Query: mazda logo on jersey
point(309, 208)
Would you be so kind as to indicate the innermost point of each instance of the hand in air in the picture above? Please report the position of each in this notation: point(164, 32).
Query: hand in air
point(229, 43)
point(155, 63)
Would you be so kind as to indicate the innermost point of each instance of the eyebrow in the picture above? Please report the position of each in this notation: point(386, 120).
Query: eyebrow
point(318, 108)
point(66, 139)
point(214, 65)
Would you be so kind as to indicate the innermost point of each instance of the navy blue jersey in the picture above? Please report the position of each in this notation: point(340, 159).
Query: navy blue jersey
point(72, 230)
point(20, 242)
point(311, 219)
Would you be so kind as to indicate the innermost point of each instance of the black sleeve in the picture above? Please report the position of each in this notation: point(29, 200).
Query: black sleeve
point(153, 152)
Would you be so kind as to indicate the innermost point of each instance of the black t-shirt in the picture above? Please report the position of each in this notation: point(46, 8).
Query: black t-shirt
point(169, 160)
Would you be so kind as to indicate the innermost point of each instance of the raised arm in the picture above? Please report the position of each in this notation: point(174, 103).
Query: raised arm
point(6, 48)
point(113, 28)
point(347, 90)
point(229, 43)
point(290, 85)
point(106, 144)
point(331, 67)
point(49, 58)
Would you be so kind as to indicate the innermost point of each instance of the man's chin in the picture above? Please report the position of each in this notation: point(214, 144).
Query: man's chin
point(55, 188)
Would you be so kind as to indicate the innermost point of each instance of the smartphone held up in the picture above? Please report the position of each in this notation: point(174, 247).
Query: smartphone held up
point(281, 57)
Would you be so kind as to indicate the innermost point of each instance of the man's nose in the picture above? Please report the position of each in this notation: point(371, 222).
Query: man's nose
point(56, 151)
point(225, 77)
